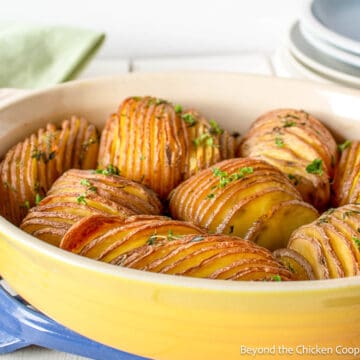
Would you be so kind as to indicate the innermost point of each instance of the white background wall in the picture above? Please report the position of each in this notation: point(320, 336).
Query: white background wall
point(144, 28)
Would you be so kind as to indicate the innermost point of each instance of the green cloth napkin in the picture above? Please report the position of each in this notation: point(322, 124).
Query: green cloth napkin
point(38, 56)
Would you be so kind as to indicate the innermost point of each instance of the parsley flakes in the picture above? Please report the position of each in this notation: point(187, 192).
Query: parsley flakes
point(344, 145)
point(279, 141)
point(315, 167)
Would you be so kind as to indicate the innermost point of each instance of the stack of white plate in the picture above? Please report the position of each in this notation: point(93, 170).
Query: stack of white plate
point(324, 45)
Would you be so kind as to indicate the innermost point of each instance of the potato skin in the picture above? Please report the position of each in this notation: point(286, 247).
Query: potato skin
point(346, 188)
point(331, 244)
point(208, 144)
point(212, 201)
point(30, 168)
point(146, 141)
point(81, 193)
point(153, 143)
point(291, 140)
point(207, 256)
point(296, 263)
point(105, 238)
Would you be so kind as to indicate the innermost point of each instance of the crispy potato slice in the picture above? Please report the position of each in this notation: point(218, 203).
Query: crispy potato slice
point(205, 256)
point(82, 193)
point(346, 186)
point(32, 166)
point(148, 143)
point(134, 196)
point(337, 234)
point(237, 195)
point(291, 140)
point(273, 229)
point(296, 263)
point(107, 238)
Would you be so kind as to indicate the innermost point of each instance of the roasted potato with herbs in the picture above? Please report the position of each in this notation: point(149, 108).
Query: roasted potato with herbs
point(207, 256)
point(106, 238)
point(146, 140)
point(155, 143)
point(245, 197)
point(81, 193)
point(30, 168)
point(295, 263)
point(208, 143)
point(346, 185)
point(331, 244)
point(300, 146)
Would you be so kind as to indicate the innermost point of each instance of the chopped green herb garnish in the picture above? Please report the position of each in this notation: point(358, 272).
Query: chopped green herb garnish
point(226, 179)
point(289, 123)
point(38, 198)
point(290, 267)
point(356, 241)
point(92, 188)
point(142, 157)
point(276, 278)
point(81, 199)
point(214, 128)
point(160, 101)
point(178, 109)
point(85, 182)
point(205, 138)
point(189, 119)
point(344, 145)
point(315, 167)
point(110, 170)
point(26, 204)
point(279, 141)
point(152, 239)
point(294, 178)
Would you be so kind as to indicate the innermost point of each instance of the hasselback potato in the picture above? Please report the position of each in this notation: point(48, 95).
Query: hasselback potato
point(300, 146)
point(146, 140)
point(331, 244)
point(30, 168)
point(207, 256)
point(80, 193)
point(106, 238)
point(245, 197)
point(207, 144)
point(346, 185)
point(155, 143)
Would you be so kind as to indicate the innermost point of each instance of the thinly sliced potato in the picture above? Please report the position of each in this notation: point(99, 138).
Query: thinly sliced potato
point(336, 235)
point(239, 197)
point(205, 256)
point(274, 229)
point(300, 146)
point(81, 193)
point(148, 143)
point(296, 263)
point(30, 169)
point(136, 197)
point(107, 238)
point(346, 186)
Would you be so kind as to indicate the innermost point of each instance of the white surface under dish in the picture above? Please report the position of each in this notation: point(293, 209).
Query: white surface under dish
point(328, 49)
point(335, 21)
point(317, 61)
